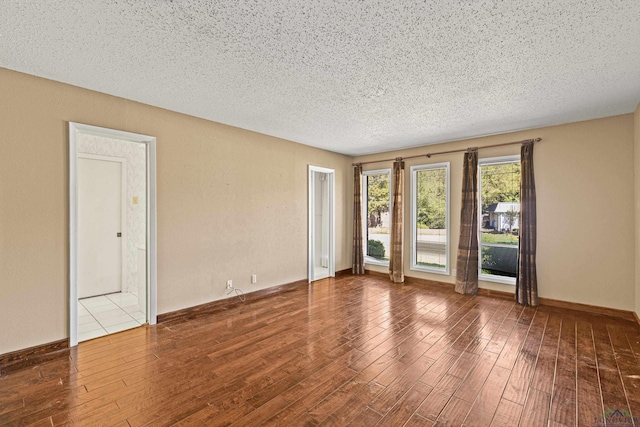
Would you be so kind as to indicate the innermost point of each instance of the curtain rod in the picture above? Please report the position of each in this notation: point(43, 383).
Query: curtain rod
point(428, 155)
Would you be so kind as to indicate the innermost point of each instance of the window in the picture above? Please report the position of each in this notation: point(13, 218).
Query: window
point(377, 215)
point(499, 205)
point(430, 218)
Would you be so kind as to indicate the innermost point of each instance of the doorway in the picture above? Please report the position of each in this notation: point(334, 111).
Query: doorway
point(112, 231)
point(321, 260)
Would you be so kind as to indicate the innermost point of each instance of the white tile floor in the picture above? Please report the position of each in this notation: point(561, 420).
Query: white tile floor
point(106, 314)
point(320, 272)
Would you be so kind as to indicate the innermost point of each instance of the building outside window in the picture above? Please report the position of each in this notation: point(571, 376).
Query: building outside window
point(499, 205)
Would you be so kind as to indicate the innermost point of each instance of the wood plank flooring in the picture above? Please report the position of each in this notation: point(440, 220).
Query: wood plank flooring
point(353, 351)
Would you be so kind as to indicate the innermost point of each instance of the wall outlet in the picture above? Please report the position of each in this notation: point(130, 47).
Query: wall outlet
point(229, 284)
point(254, 278)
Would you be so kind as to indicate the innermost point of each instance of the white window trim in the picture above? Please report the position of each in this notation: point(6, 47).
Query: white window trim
point(414, 218)
point(482, 276)
point(365, 219)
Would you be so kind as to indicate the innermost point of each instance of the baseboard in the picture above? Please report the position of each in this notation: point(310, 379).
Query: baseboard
point(594, 309)
point(496, 294)
point(227, 303)
point(34, 355)
point(549, 302)
point(20, 359)
point(341, 273)
point(481, 291)
point(418, 281)
point(376, 273)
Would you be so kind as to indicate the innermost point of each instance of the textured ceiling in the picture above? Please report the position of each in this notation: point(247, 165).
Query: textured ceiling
point(349, 76)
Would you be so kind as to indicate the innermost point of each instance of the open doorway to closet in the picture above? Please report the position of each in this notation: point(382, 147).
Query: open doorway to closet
point(112, 231)
point(321, 223)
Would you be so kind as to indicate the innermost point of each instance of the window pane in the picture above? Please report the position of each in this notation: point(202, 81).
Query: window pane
point(378, 216)
point(431, 218)
point(499, 261)
point(500, 204)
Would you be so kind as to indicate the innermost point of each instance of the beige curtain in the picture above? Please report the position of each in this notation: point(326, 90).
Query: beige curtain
point(527, 280)
point(358, 239)
point(396, 258)
point(467, 264)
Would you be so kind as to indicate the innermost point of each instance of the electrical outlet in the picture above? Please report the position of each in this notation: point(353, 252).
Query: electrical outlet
point(229, 284)
point(254, 278)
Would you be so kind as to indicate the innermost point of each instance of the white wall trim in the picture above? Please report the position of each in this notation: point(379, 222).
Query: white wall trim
point(75, 130)
point(497, 279)
point(373, 261)
point(499, 160)
point(73, 236)
point(152, 249)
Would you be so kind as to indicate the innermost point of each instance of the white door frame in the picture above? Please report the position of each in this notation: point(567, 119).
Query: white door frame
point(75, 130)
point(331, 173)
point(123, 210)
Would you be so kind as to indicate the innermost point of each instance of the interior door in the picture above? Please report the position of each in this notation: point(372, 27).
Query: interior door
point(99, 227)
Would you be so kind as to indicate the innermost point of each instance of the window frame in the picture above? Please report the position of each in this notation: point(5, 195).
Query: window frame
point(414, 218)
point(483, 276)
point(365, 218)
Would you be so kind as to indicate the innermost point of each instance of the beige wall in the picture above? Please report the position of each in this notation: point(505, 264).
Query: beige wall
point(231, 203)
point(636, 157)
point(584, 175)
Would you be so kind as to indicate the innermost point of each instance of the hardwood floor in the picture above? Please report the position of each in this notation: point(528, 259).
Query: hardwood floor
point(355, 351)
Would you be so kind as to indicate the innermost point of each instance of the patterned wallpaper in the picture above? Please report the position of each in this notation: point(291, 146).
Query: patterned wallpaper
point(136, 187)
